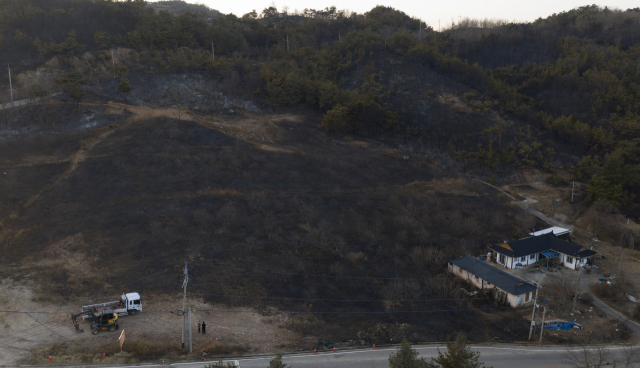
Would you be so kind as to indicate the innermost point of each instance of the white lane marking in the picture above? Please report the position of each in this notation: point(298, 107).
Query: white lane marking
point(235, 362)
point(119, 366)
point(422, 348)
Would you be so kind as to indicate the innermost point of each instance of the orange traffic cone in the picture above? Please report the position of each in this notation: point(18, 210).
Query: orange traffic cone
point(314, 350)
point(334, 349)
point(104, 356)
point(374, 346)
point(50, 358)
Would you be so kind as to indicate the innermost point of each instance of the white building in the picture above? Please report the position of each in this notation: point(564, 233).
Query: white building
point(558, 231)
point(528, 251)
point(517, 292)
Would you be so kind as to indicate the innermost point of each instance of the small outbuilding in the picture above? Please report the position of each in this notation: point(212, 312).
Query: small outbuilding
point(513, 290)
point(558, 231)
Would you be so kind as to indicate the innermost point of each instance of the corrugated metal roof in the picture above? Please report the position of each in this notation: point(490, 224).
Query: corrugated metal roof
point(501, 279)
point(556, 230)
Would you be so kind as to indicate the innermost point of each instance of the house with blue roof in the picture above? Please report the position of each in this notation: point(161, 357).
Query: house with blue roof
point(506, 287)
point(523, 252)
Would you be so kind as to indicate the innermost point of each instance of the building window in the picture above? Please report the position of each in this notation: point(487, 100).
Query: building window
point(570, 259)
point(522, 259)
point(533, 256)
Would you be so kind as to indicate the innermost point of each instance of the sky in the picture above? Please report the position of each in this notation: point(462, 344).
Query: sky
point(431, 12)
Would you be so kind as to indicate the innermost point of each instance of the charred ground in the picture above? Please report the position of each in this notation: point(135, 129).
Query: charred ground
point(308, 223)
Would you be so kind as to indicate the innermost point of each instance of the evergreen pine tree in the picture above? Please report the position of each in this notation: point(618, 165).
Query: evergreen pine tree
point(407, 357)
point(277, 362)
point(458, 355)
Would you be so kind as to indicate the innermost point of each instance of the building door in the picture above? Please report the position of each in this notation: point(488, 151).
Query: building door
point(502, 258)
point(527, 297)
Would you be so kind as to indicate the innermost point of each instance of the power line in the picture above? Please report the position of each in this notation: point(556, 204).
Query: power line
point(326, 299)
point(331, 276)
point(27, 312)
point(56, 332)
point(128, 283)
point(17, 336)
point(370, 312)
point(312, 299)
point(317, 312)
point(33, 333)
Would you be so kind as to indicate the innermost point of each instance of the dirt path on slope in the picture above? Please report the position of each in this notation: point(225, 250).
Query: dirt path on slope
point(138, 113)
point(74, 160)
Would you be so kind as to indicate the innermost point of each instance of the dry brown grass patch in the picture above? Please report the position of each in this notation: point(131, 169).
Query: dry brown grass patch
point(59, 266)
point(134, 351)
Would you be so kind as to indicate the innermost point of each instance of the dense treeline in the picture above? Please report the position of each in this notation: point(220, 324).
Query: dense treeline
point(560, 92)
point(579, 72)
point(35, 29)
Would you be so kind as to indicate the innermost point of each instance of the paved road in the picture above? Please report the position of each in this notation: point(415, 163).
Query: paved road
point(525, 205)
point(609, 311)
point(498, 357)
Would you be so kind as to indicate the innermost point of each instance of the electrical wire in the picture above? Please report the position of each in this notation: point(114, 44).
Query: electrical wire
point(56, 332)
point(325, 299)
point(330, 276)
point(310, 312)
point(142, 278)
point(37, 332)
point(369, 312)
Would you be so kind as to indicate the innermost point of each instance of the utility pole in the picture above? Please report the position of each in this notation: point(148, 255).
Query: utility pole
point(533, 313)
point(184, 304)
point(10, 85)
point(542, 325)
point(573, 185)
point(213, 54)
point(575, 297)
point(287, 42)
point(190, 333)
point(113, 61)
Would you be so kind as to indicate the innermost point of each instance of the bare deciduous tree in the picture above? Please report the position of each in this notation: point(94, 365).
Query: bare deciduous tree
point(588, 357)
point(599, 356)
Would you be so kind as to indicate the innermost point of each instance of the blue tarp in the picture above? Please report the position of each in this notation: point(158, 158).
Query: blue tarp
point(561, 326)
point(550, 254)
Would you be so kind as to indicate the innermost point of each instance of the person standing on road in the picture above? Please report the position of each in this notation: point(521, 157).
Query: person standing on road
point(198, 326)
point(204, 328)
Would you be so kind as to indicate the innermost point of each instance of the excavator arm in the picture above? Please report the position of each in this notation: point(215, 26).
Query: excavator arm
point(74, 317)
